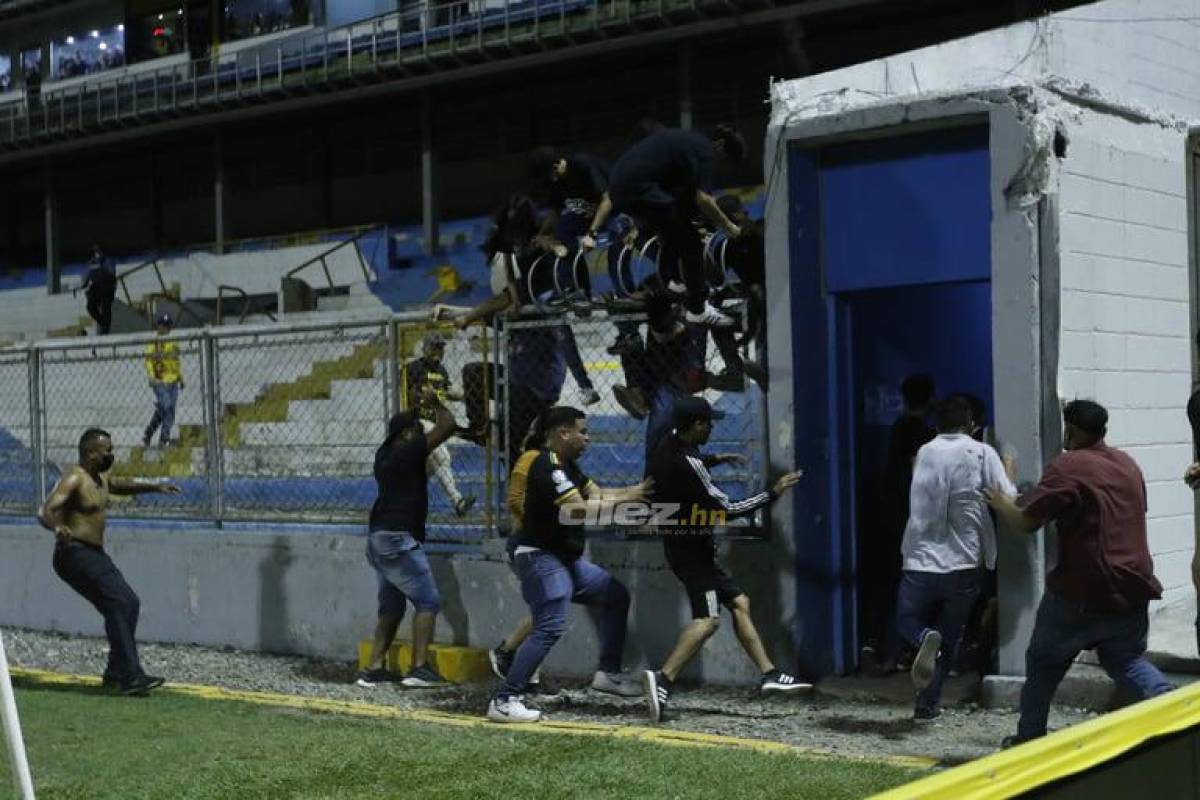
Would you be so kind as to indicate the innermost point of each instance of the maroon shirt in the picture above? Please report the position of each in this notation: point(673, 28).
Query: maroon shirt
point(1097, 495)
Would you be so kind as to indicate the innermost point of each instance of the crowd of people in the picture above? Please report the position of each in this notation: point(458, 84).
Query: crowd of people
point(947, 484)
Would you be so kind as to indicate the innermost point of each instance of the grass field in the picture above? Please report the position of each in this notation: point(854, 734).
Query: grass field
point(84, 743)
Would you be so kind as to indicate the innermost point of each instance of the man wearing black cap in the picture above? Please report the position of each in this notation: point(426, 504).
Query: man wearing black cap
point(428, 374)
point(397, 530)
point(1097, 594)
point(664, 181)
point(166, 381)
point(680, 475)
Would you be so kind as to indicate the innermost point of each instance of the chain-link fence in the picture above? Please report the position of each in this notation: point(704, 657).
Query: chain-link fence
point(17, 478)
point(281, 423)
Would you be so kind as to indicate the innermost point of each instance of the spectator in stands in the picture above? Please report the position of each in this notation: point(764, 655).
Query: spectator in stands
point(679, 474)
point(394, 544)
point(664, 181)
point(1097, 595)
point(100, 289)
point(76, 512)
point(166, 381)
point(549, 561)
point(427, 375)
point(909, 433)
point(948, 538)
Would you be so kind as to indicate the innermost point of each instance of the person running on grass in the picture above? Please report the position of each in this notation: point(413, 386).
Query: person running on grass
point(548, 558)
point(76, 512)
point(679, 471)
point(397, 530)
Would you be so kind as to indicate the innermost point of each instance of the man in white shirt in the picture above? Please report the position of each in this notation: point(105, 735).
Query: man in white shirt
point(948, 537)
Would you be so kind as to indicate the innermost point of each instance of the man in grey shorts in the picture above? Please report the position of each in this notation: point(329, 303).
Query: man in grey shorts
point(397, 529)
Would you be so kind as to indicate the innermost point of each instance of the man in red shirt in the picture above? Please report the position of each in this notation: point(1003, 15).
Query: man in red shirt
point(1097, 594)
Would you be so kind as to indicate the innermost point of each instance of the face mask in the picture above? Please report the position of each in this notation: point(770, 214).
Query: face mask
point(107, 462)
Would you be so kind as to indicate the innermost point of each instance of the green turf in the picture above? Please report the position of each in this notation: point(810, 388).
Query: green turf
point(85, 744)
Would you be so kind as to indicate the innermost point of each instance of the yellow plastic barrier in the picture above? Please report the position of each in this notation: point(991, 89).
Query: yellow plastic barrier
point(455, 664)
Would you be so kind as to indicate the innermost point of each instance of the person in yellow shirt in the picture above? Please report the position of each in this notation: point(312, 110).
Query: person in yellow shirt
point(166, 381)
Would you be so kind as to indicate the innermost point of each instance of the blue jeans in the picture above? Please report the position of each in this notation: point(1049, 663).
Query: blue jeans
point(941, 601)
point(549, 586)
point(166, 395)
point(1062, 630)
point(402, 569)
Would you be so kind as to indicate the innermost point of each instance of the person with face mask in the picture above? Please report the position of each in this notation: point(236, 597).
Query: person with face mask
point(75, 512)
point(1097, 594)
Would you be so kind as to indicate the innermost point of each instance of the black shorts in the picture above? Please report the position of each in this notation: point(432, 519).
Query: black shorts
point(708, 587)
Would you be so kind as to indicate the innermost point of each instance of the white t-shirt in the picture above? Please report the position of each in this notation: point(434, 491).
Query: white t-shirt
point(949, 527)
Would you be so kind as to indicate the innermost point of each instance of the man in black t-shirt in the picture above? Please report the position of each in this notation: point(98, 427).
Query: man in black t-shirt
point(577, 185)
point(397, 529)
point(664, 181)
point(551, 500)
point(100, 289)
point(681, 477)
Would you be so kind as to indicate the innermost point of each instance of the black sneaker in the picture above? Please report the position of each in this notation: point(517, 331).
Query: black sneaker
point(368, 678)
point(501, 660)
point(146, 437)
point(423, 677)
point(464, 504)
point(779, 681)
point(110, 681)
point(141, 685)
point(658, 693)
point(923, 714)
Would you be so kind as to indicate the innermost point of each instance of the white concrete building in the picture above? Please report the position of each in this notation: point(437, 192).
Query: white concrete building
point(1047, 168)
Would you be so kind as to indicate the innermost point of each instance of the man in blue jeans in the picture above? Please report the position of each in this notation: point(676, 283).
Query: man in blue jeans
point(1097, 594)
point(397, 530)
point(548, 559)
point(949, 536)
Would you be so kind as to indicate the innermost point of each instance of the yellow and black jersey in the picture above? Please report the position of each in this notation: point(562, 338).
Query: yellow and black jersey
point(539, 486)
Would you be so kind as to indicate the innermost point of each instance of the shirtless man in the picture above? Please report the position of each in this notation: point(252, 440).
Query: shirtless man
point(75, 512)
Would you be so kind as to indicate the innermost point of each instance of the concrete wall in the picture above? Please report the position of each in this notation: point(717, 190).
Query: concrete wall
point(315, 594)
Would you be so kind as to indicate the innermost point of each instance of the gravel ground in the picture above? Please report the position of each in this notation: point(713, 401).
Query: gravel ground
point(845, 716)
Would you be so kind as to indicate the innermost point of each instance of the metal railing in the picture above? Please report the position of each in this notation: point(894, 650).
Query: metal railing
point(280, 422)
point(394, 45)
point(321, 257)
point(225, 289)
point(150, 263)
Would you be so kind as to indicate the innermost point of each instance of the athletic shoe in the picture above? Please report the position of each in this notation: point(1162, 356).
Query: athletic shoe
point(141, 685)
point(631, 400)
point(757, 373)
point(464, 505)
point(926, 659)
point(369, 678)
point(108, 681)
point(146, 437)
point(922, 714)
point(1011, 741)
point(779, 681)
point(615, 683)
point(626, 343)
point(590, 397)
point(501, 660)
point(511, 710)
point(728, 380)
point(710, 317)
point(675, 287)
point(423, 677)
point(654, 685)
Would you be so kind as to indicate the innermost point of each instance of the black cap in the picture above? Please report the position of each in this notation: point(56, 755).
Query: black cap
point(690, 409)
point(400, 423)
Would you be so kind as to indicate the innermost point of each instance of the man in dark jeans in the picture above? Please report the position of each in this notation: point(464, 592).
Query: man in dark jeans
point(664, 181)
point(76, 511)
point(100, 288)
point(1097, 594)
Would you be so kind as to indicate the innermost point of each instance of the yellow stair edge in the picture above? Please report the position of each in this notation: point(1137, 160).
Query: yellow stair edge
point(456, 664)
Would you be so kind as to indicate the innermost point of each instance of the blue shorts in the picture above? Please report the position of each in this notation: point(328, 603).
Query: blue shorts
point(403, 571)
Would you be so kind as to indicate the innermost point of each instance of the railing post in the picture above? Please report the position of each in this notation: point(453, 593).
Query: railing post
point(391, 388)
point(214, 460)
point(500, 427)
point(37, 428)
point(258, 70)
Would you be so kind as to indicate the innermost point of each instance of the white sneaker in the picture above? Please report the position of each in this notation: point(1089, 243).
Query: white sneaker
point(511, 710)
point(616, 683)
point(711, 318)
point(675, 287)
point(925, 661)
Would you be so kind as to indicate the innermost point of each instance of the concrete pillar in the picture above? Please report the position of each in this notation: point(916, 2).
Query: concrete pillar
point(429, 195)
point(53, 260)
point(220, 194)
point(685, 85)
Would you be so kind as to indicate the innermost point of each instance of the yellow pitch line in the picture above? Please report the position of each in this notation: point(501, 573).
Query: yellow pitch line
point(672, 738)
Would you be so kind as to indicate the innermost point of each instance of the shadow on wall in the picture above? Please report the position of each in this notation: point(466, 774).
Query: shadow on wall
point(274, 634)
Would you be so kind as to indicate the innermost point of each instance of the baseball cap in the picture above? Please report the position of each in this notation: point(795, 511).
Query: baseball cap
point(689, 409)
point(433, 339)
point(400, 423)
point(164, 319)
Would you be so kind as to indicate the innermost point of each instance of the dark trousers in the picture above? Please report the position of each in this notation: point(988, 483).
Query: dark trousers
point(1061, 631)
point(942, 601)
point(89, 571)
point(681, 248)
point(574, 359)
point(99, 308)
